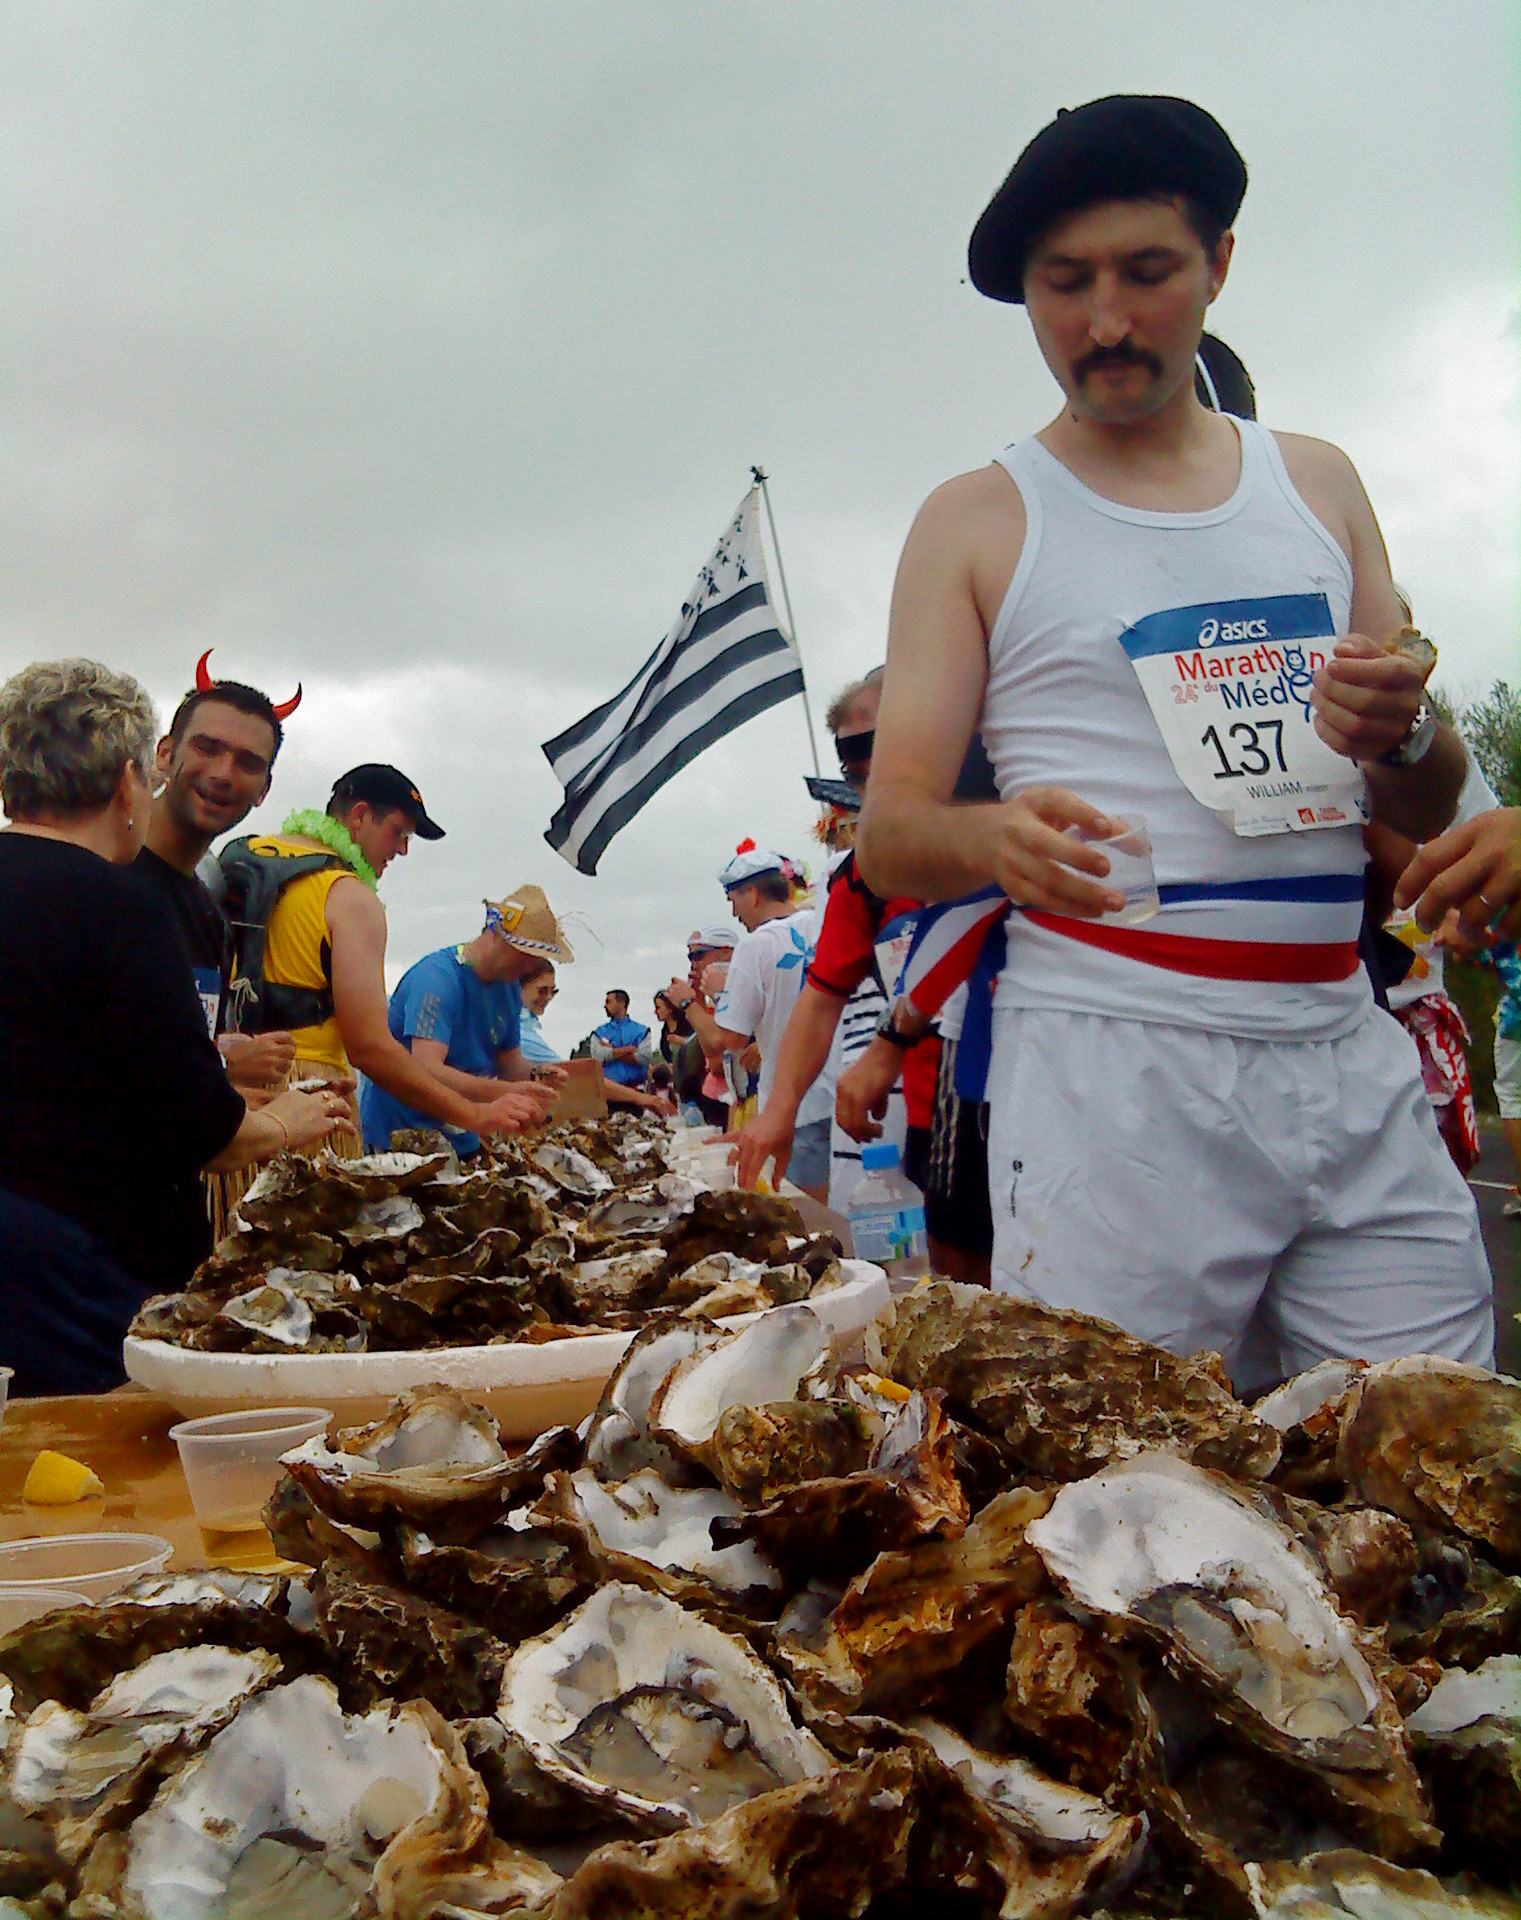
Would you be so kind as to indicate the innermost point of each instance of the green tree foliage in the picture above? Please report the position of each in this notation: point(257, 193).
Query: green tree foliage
point(1492, 728)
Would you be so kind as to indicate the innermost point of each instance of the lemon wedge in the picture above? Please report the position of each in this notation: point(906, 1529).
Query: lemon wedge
point(54, 1480)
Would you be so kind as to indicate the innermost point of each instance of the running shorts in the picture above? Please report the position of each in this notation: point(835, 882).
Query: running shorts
point(1277, 1202)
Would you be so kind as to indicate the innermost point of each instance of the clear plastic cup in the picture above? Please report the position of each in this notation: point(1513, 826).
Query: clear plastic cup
point(1128, 850)
point(23, 1603)
point(7, 1375)
point(231, 1461)
point(86, 1565)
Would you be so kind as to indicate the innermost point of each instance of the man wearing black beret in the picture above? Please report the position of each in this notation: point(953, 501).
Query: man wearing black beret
point(1179, 628)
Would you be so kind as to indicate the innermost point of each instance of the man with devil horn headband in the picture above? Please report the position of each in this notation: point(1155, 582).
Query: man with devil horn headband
point(215, 763)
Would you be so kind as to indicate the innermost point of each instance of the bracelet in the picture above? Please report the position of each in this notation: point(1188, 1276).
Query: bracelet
point(284, 1146)
point(890, 1033)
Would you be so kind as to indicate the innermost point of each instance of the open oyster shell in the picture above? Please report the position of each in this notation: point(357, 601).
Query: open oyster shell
point(652, 1711)
point(435, 1461)
point(514, 1579)
point(618, 1439)
point(1238, 1601)
point(1440, 1442)
point(1308, 1412)
point(1468, 1746)
point(659, 1536)
point(763, 1362)
point(311, 1810)
point(1240, 1610)
point(89, 1771)
point(1063, 1392)
point(1346, 1885)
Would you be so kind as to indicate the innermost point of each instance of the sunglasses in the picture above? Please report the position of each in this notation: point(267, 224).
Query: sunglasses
point(854, 749)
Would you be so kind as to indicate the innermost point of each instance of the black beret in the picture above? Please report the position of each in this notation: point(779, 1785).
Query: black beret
point(1125, 147)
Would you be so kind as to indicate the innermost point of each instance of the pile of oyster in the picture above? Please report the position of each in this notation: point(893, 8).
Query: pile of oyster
point(1004, 1613)
point(576, 1227)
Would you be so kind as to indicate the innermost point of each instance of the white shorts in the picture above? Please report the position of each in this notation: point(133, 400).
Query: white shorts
point(1279, 1203)
point(1508, 1076)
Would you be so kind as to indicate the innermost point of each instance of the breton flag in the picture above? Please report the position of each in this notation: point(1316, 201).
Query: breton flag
point(725, 660)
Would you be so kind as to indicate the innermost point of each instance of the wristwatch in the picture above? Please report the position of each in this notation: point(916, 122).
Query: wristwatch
point(1417, 739)
point(890, 1032)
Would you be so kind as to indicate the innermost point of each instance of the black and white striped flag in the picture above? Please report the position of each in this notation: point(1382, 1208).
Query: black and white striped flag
point(725, 660)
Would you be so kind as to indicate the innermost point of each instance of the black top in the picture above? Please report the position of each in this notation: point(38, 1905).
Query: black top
point(202, 926)
point(112, 1095)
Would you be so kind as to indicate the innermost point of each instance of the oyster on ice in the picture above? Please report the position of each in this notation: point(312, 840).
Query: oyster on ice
point(1063, 1392)
point(652, 1711)
point(1439, 1443)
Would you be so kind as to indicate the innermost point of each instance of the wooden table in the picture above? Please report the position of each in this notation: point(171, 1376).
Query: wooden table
point(124, 1438)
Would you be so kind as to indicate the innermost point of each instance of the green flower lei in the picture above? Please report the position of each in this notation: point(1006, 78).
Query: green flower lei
point(336, 837)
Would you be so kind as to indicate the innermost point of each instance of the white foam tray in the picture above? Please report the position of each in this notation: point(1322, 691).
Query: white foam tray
point(527, 1388)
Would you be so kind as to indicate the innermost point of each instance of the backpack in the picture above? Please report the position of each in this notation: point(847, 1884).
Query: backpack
point(248, 889)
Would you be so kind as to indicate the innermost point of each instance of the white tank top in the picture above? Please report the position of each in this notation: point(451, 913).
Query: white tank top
point(1064, 707)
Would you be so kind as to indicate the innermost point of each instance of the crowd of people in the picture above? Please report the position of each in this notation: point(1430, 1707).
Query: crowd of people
point(1153, 616)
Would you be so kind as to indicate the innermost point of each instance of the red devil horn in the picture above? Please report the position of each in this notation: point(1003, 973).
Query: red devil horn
point(286, 708)
point(203, 680)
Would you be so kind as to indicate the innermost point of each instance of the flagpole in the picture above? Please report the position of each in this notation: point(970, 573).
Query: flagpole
point(781, 573)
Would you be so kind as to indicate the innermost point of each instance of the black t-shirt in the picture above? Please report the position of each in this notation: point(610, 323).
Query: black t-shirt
point(202, 926)
point(112, 1095)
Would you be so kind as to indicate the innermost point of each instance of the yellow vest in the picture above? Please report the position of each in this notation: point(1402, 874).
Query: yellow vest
point(296, 950)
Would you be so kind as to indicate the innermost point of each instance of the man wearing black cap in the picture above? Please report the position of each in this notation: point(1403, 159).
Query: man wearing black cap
point(1200, 1127)
point(313, 940)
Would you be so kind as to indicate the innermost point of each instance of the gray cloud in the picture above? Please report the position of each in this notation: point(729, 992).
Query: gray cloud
point(420, 353)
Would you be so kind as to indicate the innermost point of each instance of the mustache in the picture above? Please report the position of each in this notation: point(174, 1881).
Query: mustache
point(1123, 355)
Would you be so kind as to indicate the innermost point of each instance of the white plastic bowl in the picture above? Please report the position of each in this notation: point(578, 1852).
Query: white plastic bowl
point(89, 1565)
point(526, 1387)
point(231, 1461)
point(20, 1604)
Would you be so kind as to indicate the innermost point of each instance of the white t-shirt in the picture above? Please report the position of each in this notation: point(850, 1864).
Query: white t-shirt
point(765, 978)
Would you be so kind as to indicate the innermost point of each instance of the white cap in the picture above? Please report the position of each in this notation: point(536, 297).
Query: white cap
point(749, 862)
point(707, 938)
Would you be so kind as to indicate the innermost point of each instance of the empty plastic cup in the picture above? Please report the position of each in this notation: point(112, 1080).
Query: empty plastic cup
point(1128, 850)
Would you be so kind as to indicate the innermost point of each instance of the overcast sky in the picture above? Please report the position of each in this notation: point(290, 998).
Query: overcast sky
point(419, 353)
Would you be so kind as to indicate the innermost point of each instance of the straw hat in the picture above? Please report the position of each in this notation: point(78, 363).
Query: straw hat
point(526, 920)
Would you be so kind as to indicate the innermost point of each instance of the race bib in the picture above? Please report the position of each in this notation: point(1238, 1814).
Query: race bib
point(890, 949)
point(208, 988)
point(1229, 687)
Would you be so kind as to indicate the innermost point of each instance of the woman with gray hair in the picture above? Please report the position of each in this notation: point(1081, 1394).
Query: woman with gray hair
point(112, 1096)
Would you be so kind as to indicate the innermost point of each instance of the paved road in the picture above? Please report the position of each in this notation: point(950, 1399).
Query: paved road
point(1491, 1180)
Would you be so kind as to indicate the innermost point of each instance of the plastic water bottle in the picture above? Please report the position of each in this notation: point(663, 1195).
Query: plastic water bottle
point(886, 1215)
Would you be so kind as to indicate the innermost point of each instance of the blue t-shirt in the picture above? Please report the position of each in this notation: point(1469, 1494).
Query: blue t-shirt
point(443, 998)
point(623, 1033)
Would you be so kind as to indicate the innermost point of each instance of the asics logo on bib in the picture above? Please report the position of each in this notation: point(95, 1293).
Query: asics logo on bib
point(1212, 630)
